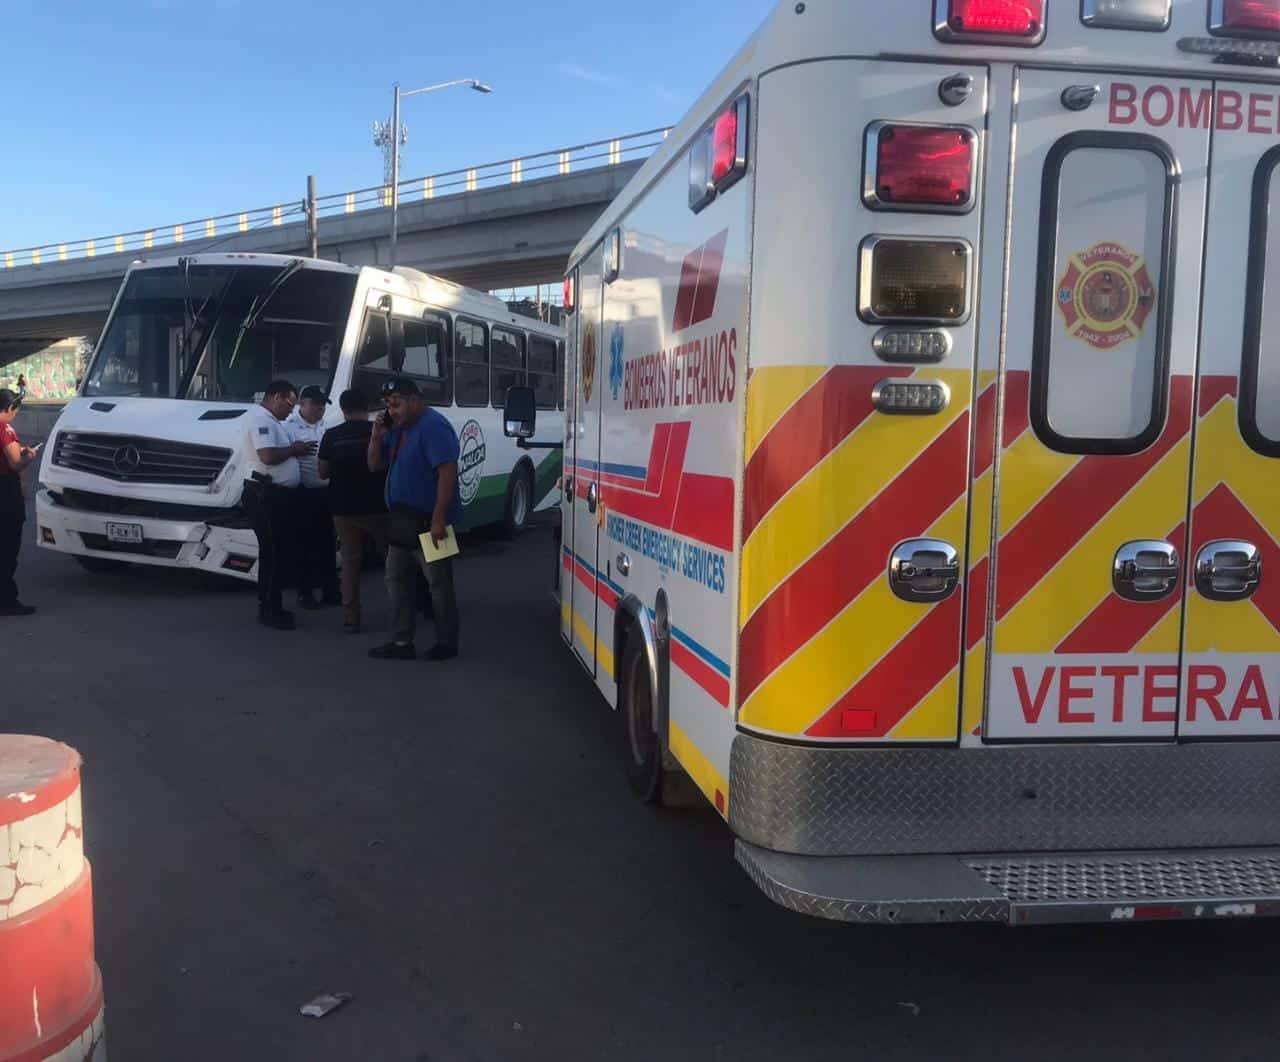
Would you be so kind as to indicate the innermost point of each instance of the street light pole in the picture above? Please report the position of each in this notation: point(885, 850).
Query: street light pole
point(396, 97)
point(395, 169)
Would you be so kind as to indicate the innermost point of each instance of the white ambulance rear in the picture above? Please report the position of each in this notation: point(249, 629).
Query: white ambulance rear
point(922, 425)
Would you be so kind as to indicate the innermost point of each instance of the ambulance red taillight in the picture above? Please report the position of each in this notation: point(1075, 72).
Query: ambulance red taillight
point(1000, 21)
point(1245, 17)
point(919, 166)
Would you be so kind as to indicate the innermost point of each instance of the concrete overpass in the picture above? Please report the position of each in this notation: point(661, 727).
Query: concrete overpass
point(502, 225)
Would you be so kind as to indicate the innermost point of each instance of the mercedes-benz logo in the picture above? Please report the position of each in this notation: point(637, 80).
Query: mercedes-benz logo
point(127, 459)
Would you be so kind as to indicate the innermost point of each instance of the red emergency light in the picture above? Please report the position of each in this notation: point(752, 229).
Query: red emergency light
point(718, 157)
point(1245, 17)
point(1008, 21)
point(568, 294)
point(925, 166)
point(729, 145)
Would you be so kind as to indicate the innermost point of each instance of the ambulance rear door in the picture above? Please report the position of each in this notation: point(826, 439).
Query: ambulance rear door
point(1231, 679)
point(1094, 436)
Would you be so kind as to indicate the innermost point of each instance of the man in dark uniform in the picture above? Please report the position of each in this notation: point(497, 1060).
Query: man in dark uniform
point(14, 458)
point(270, 489)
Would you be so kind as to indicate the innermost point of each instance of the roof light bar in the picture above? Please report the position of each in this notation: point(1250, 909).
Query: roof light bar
point(1149, 15)
point(1016, 22)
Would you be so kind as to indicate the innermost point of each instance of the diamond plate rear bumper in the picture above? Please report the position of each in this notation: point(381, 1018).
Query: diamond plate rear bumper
point(1021, 890)
point(1059, 798)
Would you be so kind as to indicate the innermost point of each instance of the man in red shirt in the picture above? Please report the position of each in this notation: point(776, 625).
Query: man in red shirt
point(14, 458)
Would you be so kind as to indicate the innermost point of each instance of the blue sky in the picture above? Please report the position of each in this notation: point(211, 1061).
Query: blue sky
point(134, 113)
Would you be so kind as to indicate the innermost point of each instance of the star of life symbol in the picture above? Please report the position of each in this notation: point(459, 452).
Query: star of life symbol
point(616, 368)
point(1106, 295)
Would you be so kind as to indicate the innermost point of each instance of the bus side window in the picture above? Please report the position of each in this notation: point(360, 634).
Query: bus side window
point(471, 363)
point(544, 367)
point(508, 363)
point(426, 358)
point(373, 360)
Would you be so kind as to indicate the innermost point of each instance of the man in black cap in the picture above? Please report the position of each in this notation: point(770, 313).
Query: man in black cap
point(419, 450)
point(317, 571)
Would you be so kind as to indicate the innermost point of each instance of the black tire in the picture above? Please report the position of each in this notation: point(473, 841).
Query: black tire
point(100, 565)
point(519, 507)
point(641, 749)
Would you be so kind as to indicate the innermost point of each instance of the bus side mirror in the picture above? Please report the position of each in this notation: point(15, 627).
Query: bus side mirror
point(519, 413)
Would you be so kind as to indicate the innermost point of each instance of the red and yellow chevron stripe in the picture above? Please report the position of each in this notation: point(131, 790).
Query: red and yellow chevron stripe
point(1234, 496)
point(831, 486)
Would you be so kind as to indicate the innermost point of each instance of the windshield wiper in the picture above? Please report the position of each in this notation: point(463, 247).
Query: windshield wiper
point(259, 305)
point(196, 356)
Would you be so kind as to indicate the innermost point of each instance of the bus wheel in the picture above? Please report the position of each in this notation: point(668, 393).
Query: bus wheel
point(641, 749)
point(519, 501)
point(100, 565)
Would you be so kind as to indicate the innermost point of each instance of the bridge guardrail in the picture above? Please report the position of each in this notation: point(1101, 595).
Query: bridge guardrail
point(559, 162)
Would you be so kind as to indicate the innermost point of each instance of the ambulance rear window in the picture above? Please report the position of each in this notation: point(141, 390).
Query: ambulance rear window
point(1100, 366)
point(1260, 373)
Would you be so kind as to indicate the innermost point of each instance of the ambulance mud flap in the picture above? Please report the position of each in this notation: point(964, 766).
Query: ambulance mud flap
point(1022, 889)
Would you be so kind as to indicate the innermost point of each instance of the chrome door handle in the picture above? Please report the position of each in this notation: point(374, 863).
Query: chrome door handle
point(1228, 570)
point(624, 564)
point(593, 497)
point(1145, 570)
point(924, 569)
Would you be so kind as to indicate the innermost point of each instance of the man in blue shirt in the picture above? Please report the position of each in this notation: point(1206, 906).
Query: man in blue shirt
point(419, 449)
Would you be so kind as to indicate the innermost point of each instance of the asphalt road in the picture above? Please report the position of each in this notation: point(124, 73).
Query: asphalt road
point(272, 815)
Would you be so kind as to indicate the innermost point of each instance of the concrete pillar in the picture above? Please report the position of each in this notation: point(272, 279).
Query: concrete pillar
point(50, 986)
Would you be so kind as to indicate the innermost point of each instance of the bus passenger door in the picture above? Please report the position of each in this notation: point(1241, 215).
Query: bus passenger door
point(587, 511)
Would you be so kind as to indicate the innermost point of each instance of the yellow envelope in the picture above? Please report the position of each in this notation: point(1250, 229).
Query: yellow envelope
point(447, 548)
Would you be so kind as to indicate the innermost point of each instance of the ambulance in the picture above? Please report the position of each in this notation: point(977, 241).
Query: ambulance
point(922, 457)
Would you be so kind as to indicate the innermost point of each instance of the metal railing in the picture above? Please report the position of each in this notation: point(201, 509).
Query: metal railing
point(560, 162)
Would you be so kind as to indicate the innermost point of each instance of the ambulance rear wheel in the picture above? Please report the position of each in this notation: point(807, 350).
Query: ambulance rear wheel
point(641, 749)
point(519, 501)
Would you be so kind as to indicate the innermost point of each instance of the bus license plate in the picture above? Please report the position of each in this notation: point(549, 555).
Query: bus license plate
point(131, 533)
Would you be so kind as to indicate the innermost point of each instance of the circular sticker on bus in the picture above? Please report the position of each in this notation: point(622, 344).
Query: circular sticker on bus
point(471, 453)
point(588, 359)
point(1106, 295)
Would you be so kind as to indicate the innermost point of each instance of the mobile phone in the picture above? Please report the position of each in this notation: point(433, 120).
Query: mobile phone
point(384, 418)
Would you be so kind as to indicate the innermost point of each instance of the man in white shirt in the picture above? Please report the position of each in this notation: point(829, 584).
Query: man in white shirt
point(270, 491)
point(317, 571)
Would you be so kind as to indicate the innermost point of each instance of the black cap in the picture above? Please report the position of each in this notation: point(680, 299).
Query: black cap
point(316, 394)
point(400, 385)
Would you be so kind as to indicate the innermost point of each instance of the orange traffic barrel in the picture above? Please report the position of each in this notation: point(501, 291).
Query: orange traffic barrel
point(50, 986)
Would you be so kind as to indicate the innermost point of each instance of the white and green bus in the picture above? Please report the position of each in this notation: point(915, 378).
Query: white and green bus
point(143, 465)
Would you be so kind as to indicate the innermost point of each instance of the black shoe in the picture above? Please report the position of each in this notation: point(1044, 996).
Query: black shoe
point(307, 602)
point(394, 651)
point(279, 621)
point(440, 652)
point(17, 609)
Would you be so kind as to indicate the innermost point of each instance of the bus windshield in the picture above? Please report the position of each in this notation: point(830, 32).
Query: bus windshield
point(222, 332)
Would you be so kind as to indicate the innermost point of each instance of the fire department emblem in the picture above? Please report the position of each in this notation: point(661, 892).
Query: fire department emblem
point(588, 359)
point(1106, 295)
